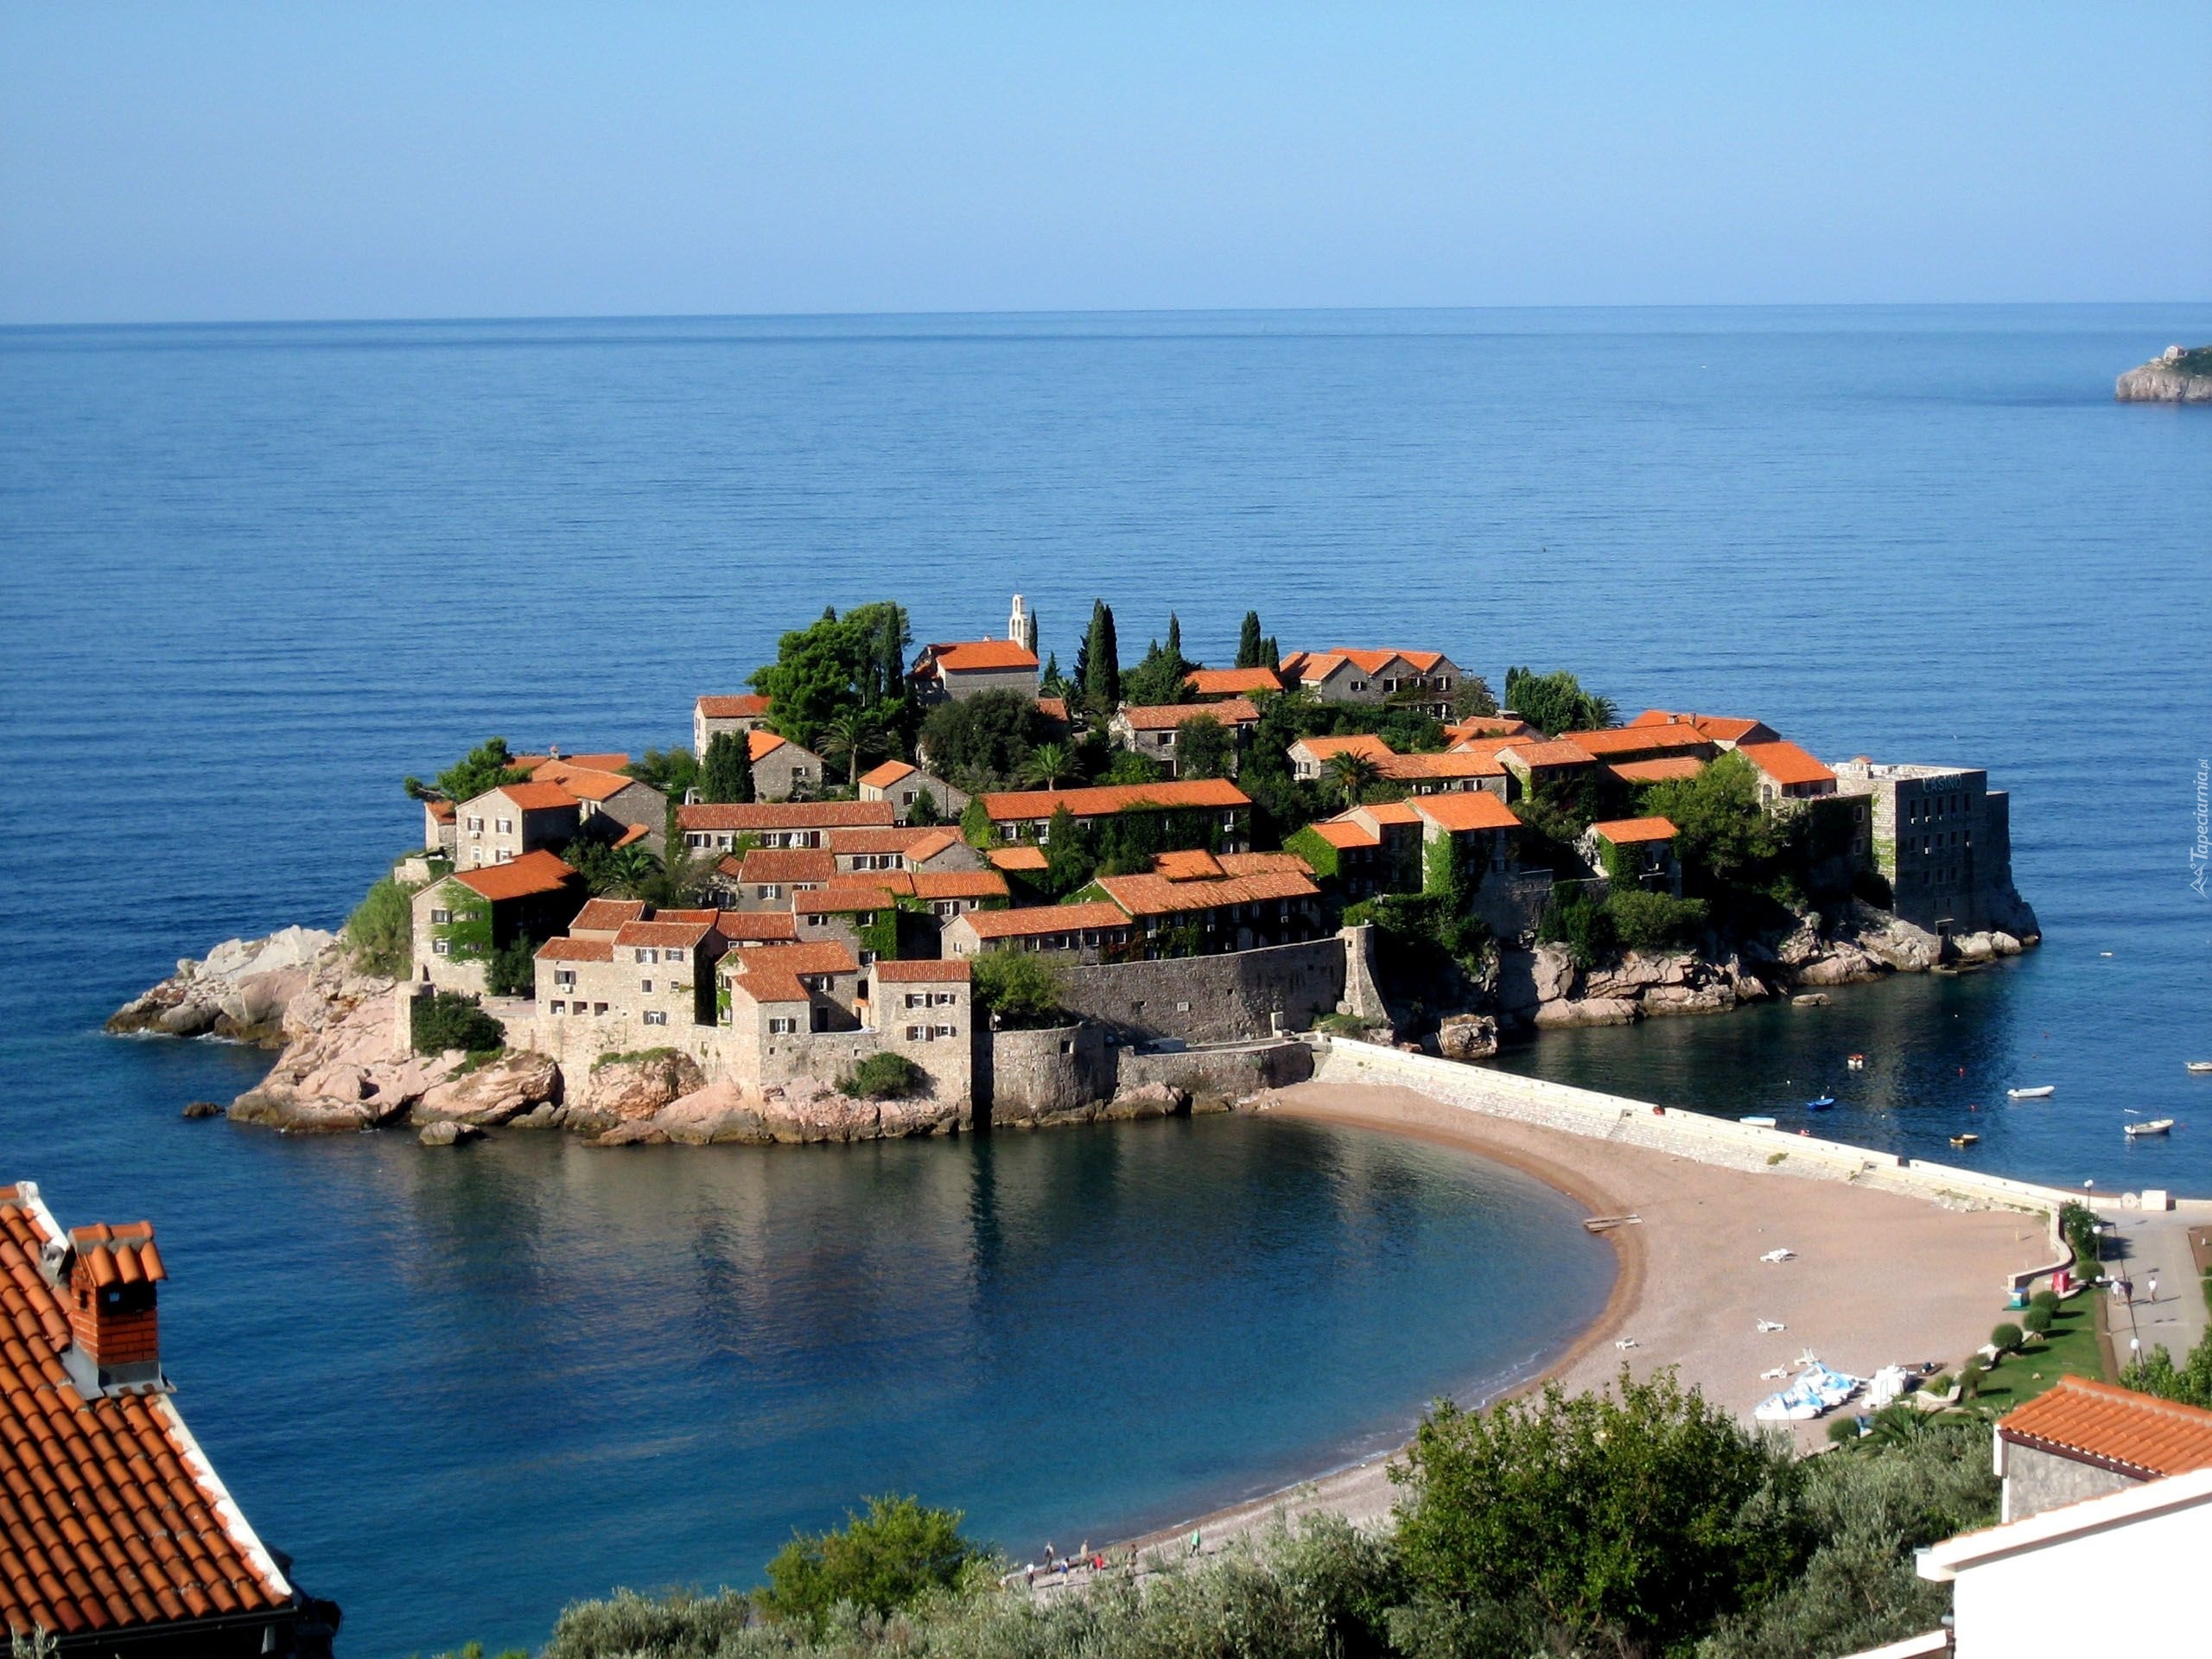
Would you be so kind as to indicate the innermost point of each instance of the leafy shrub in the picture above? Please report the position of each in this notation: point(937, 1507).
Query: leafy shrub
point(1940, 1384)
point(882, 1077)
point(1842, 1431)
point(881, 1561)
point(1023, 991)
point(2047, 1299)
point(1970, 1377)
point(2005, 1338)
point(511, 969)
point(1584, 929)
point(380, 933)
point(445, 1020)
point(2037, 1321)
point(1653, 921)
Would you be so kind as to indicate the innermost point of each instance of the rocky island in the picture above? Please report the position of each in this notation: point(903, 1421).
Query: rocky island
point(2176, 375)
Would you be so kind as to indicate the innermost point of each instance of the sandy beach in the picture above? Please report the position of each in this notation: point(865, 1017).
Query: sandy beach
point(1876, 1278)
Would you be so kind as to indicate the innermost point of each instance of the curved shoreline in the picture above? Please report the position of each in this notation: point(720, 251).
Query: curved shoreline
point(1691, 1294)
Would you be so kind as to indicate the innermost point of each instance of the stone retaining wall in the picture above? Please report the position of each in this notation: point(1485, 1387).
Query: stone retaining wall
point(1218, 1076)
point(1224, 999)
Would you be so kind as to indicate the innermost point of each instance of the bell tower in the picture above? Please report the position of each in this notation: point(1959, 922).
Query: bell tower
point(1017, 623)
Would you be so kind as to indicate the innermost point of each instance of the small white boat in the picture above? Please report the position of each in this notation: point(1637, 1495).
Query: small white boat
point(2202, 1068)
point(1817, 1390)
point(2149, 1126)
point(1758, 1122)
point(2041, 1091)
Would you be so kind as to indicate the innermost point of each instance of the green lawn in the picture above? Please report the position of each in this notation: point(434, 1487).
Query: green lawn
point(2071, 1347)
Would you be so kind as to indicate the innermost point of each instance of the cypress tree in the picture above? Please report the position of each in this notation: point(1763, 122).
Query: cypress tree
point(1250, 645)
point(1029, 634)
point(727, 777)
point(1102, 681)
point(1175, 641)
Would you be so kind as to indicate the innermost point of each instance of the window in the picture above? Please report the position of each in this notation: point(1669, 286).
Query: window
point(506, 826)
point(656, 1016)
point(914, 1001)
point(556, 1007)
point(646, 954)
point(906, 798)
point(564, 978)
point(914, 1034)
point(441, 947)
point(769, 890)
point(476, 826)
point(941, 999)
point(780, 1026)
point(596, 1007)
point(941, 1031)
point(646, 986)
point(671, 956)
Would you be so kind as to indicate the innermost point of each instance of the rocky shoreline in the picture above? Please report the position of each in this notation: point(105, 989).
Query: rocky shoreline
point(2171, 378)
point(344, 1064)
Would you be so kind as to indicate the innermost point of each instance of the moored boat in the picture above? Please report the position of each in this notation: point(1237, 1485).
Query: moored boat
point(1758, 1122)
point(2149, 1126)
point(1965, 1139)
point(2202, 1068)
point(1821, 1104)
point(2041, 1091)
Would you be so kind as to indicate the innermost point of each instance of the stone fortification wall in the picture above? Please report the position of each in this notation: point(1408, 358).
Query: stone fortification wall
point(1225, 998)
point(1217, 1076)
point(1072, 1072)
point(1720, 1142)
point(1031, 1076)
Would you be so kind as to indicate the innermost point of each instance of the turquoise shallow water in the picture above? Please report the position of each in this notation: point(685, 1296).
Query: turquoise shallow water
point(251, 576)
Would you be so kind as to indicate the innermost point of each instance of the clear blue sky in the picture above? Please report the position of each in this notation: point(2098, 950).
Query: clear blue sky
point(212, 160)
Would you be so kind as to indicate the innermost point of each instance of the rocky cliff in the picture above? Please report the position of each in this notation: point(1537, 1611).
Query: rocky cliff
point(238, 990)
point(2177, 377)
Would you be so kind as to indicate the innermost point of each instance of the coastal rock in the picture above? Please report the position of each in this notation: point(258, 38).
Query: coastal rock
point(631, 1088)
point(449, 1134)
point(1894, 942)
point(1146, 1100)
point(635, 1134)
point(241, 989)
point(199, 1109)
point(1587, 1011)
point(493, 1094)
point(2174, 376)
point(1750, 988)
point(345, 1066)
point(719, 1111)
point(1844, 963)
point(1467, 1037)
point(1663, 1000)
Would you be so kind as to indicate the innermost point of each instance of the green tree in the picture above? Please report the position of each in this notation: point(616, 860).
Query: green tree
point(975, 826)
point(2190, 1382)
point(1251, 646)
point(1556, 702)
point(1204, 748)
point(1617, 1515)
point(1071, 854)
point(1046, 765)
point(985, 737)
point(1653, 921)
point(674, 773)
point(854, 735)
point(1021, 991)
point(1163, 676)
point(511, 969)
point(1127, 766)
point(1350, 775)
point(881, 1076)
point(924, 809)
point(893, 1556)
point(488, 766)
point(1723, 835)
point(1029, 634)
point(445, 1020)
point(1102, 662)
point(856, 661)
point(726, 777)
point(380, 933)
point(1473, 699)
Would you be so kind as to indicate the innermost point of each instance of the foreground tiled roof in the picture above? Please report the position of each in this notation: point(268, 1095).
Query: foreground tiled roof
point(1233, 682)
point(1558, 752)
point(678, 935)
point(783, 815)
point(1622, 831)
point(749, 707)
point(1017, 858)
point(112, 1523)
point(1785, 763)
point(1659, 770)
point(1166, 716)
point(605, 915)
point(535, 797)
point(518, 878)
point(567, 950)
point(897, 838)
point(977, 656)
point(1470, 810)
point(766, 927)
point(1155, 895)
point(955, 971)
point(1036, 919)
point(1116, 798)
point(1721, 728)
point(1641, 740)
point(820, 956)
point(2137, 1434)
point(760, 743)
point(781, 865)
point(889, 773)
point(925, 847)
point(959, 884)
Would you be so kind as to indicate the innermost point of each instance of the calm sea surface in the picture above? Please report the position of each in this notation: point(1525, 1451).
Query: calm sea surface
point(250, 576)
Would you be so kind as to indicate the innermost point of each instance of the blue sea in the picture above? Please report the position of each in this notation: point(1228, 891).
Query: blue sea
point(250, 576)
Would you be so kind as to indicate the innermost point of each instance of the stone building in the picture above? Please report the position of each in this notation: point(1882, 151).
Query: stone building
point(925, 1011)
point(640, 986)
point(612, 807)
point(1943, 840)
point(713, 715)
point(2083, 1439)
point(1365, 850)
point(1619, 745)
point(513, 819)
point(782, 771)
point(1787, 773)
point(718, 828)
point(953, 669)
point(441, 822)
point(1533, 763)
point(904, 784)
point(768, 878)
point(1026, 815)
point(1722, 731)
point(460, 920)
point(1203, 909)
point(1094, 931)
point(1424, 680)
point(1480, 829)
point(1454, 771)
point(1150, 730)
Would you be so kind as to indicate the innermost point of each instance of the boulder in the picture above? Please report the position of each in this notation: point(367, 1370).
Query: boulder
point(241, 988)
point(1587, 1011)
point(1663, 1000)
point(1750, 988)
point(624, 1091)
point(1148, 1100)
point(1553, 973)
point(494, 1093)
point(719, 1111)
point(633, 1134)
point(2004, 943)
point(1810, 1000)
point(1467, 1037)
point(449, 1134)
point(198, 1108)
point(1844, 964)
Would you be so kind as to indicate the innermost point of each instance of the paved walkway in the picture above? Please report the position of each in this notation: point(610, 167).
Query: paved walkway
point(2156, 1245)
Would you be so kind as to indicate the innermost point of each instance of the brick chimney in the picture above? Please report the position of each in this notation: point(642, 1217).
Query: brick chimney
point(115, 1341)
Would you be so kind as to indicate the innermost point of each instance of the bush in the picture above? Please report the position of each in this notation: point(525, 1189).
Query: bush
point(880, 1561)
point(2005, 1338)
point(1022, 991)
point(882, 1077)
point(2037, 1321)
point(1970, 1376)
point(1843, 1431)
point(2046, 1299)
point(1940, 1383)
point(380, 933)
point(511, 970)
point(445, 1020)
point(1653, 921)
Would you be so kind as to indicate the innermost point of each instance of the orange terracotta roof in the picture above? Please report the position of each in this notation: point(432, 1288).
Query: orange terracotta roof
point(2137, 1434)
point(1053, 709)
point(678, 935)
point(1785, 763)
point(1233, 682)
point(1153, 895)
point(925, 848)
point(748, 707)
point(631, 836)
point(955, 971)
point(1659, 770)
point(111, 1523)
point(576, 950)
point(1194, 865)
point(1166, 716)
point(1623, 831)
point(607, 761)
point(959, 884)
point(605, 915)
point(535, 797)
point(1539, 756)
point(1034, 920)
point(442, 811)
point(894, 838)
point(518, 878)
point(1311, 666)
point(1098, 801)
point(1402, 768)
point(1721, 728)
point(763, 926)
point(1640, 740)
point(783, 865)
point(887, 773)
point(1488, 726)
point(1262, 864)
point(1343, 833)
point(1468, 810)
point(1489, 744)
point(1361, 743)
point(844, 898)
point(704, 917)
point(1017, 858)
point(783, 815)
point(760, 743)
point(1389, 811)
point(591, 785)
point(976, 656)
point(816, 957)
point(113, 1254)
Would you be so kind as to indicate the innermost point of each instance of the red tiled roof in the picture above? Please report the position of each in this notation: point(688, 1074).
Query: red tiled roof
point(783, 815)
point(1262, 864)
point(1343, 833)
point(110, 1520)
point(1488, 726)
point(842, 898)
point(889, 773)
point(1470, 810)
point(576, 950)
point(1785, 763)
point(783, 865)
point(605, 915)
point(1659, 770)
point(1053, 709)
point(1463, 763)
point(1116, 798)
point(1362, 743)
point(1389, 811)
point(1194, 865)
point(1155, 895)
point(927, 847)
point(679, 935)
point(1622, 831)
point(535, 797)
point(2137, 1433)
point(818, 956)
point(631, 836)
point(441, 812)
point(1166, 716)
point(587, 785)
point(748, 707)
point(1017, 858)
point(976, 656)
point(1640, 740)
point(1537, 756)
point(1721, 728)
point(1233, 682)
point(607, 761)
point(1032, 920)
point(959, 884)
point(763, 926)
point(518, 878)
point(760, 743)
point(955, 971)
point(896, 838)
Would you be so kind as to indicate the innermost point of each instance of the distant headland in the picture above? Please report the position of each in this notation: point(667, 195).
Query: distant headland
point(2178, 375)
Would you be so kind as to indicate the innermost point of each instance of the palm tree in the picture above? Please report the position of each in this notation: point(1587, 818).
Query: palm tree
point(853, 734)
point(1352, 774)
point(629, 868)
point(1047, 764)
